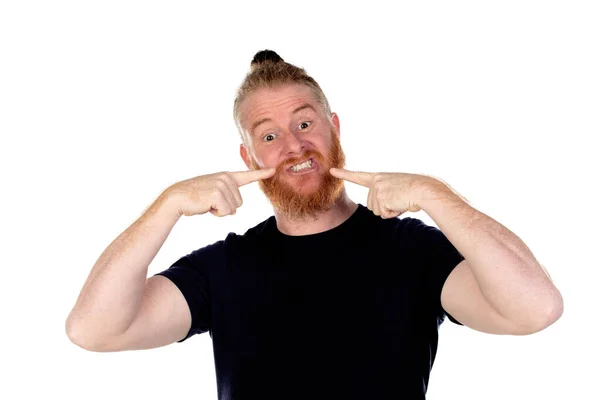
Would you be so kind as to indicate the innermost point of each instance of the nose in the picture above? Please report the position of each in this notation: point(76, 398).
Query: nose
point(293, 144)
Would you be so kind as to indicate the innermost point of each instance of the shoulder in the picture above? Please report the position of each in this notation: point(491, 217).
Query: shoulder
point(404, 226)
point(235, 242)
point(264, 228)
point(405, 231)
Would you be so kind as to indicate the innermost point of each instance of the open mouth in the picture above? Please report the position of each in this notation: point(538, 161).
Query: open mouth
point(303, 167)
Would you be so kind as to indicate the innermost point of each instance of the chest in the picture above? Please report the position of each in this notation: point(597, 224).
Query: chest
point(318, 297)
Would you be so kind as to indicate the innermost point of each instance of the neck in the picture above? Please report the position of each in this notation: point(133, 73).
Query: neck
point(341, 210)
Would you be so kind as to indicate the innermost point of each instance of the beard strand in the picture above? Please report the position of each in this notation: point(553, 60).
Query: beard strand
point(302, 206)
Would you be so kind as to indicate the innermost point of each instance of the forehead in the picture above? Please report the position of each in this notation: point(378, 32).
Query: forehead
point(270, 102)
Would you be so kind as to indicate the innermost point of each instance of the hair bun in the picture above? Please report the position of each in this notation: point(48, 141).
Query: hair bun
point(265, 55)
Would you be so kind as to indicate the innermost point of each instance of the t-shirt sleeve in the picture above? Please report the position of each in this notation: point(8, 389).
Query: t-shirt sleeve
point(191, 275)
point(441, 257)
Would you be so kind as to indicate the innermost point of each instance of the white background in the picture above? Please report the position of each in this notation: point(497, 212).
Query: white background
point(105, 104)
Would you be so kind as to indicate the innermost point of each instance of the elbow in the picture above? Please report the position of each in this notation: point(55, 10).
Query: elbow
point(548, 316)
point(84, 338)
point(555, 311)
point(78, 336)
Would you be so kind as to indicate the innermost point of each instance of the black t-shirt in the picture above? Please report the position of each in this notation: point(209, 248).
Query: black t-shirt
point(350, 313)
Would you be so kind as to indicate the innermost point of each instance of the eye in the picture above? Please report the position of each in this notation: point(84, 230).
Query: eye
point(266, 138)
point(304, 125)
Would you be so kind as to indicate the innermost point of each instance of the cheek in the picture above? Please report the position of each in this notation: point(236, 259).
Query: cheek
point(271, 155)
point(264, 160)
point(325, 147)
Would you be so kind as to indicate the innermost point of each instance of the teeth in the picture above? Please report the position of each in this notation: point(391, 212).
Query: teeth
point(304, 165)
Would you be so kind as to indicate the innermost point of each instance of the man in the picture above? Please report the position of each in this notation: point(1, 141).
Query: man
point(327, 298)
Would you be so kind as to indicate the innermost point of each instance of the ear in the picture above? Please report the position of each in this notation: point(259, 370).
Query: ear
point(335, 120)
point(245, 156)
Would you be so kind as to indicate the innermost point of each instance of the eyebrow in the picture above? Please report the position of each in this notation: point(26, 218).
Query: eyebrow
point(296, 110)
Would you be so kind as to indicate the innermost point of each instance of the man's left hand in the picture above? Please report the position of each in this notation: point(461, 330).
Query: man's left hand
point(391, 193)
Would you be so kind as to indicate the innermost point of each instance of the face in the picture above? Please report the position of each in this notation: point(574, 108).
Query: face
point(288, 129)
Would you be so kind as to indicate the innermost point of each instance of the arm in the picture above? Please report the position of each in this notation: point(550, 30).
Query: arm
point(118, 308)
point(499, 287)
point(117, 304)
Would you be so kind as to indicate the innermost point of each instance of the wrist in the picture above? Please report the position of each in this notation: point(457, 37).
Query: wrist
point(433, 191)
point(167, 203)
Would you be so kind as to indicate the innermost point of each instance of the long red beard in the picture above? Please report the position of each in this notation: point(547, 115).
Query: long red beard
point(289, 201)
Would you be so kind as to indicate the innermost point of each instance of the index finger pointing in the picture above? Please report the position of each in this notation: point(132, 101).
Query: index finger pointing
point(358, 177)
point(245, 177)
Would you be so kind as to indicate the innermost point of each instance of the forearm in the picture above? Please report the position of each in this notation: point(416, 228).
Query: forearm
point(111, 295)
point(507, 273)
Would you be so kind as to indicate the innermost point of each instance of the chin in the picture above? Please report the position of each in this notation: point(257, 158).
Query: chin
point(306, 185)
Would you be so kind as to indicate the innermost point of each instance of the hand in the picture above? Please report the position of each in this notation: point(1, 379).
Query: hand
point(390, 193)
point(215, 193)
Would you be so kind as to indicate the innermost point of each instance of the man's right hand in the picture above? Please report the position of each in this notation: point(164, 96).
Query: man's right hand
point(215, 193)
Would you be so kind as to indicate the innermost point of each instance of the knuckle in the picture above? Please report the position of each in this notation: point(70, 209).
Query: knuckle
point(227, 177)
point(222, 192)
point(220, 183)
